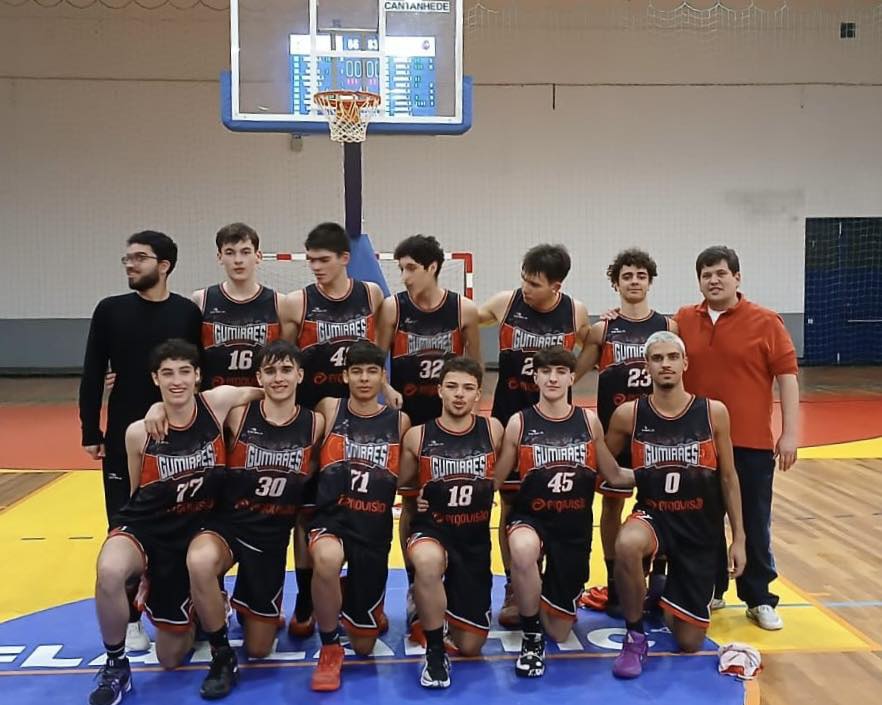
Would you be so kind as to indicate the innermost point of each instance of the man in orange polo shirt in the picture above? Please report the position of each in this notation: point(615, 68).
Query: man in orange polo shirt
point(736, 350)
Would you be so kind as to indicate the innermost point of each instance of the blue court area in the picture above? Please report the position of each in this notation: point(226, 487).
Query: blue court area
point(51, 655)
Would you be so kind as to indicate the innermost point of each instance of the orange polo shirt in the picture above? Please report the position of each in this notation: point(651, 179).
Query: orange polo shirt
point(735, 360)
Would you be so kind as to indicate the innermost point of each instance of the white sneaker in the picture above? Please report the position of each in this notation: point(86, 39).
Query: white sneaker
point(765, 617)
point(717, 603)
point(136, 637)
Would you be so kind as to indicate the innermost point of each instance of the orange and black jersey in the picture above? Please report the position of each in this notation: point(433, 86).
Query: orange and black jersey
point(359, 474)
point(329, 327)
point(456, 474)
point(623, 373)
point(233, 332)
point(267, 468)
point(181, 476)
point(557, 465)
point(423, 340)
point(522, 333)
point(675, 468)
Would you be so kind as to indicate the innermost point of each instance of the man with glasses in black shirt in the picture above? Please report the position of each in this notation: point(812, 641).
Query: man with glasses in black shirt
point(123, 331)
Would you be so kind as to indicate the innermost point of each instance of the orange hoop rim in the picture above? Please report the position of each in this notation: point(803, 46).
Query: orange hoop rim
point(333, 99)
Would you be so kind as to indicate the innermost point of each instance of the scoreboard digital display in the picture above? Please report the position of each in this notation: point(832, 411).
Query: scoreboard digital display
point(410, 63)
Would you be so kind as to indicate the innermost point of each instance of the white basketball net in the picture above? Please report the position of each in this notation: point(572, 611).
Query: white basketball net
point(348, 113)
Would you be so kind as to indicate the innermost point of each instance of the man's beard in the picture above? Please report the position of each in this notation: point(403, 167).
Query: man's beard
point(666, 385)
point(144, 282)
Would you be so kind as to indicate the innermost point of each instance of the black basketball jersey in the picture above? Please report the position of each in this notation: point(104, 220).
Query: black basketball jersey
point(181, 476)
point(329, 327)
point(266, 470)
point(232, 333)
point(557, 464)
point(423, 340)
point(523, 332)
point(359, 473)
point(456, 474)
point(623, 373)
point(675, 468)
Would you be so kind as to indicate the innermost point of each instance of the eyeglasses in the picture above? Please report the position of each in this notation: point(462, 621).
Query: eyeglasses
point(137, 258)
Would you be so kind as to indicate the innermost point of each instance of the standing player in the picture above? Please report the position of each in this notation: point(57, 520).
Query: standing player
point(452, 458)
point(536, 316)
point(123, 331)
point(270, 457)
point(422, 326)
point(618, 346)
point(558, 450)
point(177, 483)
point(685, 474)
point(330, 315)
point(240, 315)
point(353, 519)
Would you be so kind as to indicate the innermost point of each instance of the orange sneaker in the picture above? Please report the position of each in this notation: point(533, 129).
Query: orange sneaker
point(509, 616)
point(326, 676)
point(594, 598)
point(301, 630)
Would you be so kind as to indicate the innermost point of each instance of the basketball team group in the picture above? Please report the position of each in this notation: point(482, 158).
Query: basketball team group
point(241, 419)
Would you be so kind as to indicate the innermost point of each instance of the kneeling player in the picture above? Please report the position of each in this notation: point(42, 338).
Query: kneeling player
point(270, 459)
point(452, 459)
point(558, 450)
point(685, 475)
point(177, 482)
point(353, 519)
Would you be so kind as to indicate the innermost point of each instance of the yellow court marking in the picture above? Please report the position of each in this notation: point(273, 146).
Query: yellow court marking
point(51, 539)
point(853, 450)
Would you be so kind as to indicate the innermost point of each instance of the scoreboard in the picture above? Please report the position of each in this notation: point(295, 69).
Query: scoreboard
point(410, 69)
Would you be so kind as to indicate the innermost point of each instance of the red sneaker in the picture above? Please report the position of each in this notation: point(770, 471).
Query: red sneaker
point(326, 676)
point(594, 598)
point(301, 630)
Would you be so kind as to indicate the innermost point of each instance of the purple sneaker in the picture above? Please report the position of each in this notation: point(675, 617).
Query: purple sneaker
point(629, 663)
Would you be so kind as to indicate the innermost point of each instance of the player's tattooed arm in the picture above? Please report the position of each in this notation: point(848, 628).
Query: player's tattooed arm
point(589, 356)
point(221, 400)
point(606, 456)
point(470, 317)
point(492, 311)
point(327, 408)
point(729, 482)
point(409, 465)
point(290, 308)
point(507, 459)
point(136, 440)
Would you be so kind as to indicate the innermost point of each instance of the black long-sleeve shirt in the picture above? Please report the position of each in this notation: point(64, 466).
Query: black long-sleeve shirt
point(124, 330)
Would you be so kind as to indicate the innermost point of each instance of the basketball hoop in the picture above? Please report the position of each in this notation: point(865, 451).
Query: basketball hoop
point(348, 113)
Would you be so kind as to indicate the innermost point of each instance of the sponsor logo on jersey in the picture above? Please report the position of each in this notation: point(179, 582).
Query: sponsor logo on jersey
point(225, 333)
point(446, 468)
point(257, 458)
point(684, 453)
point(334, 330)
point(627, 352)
point(525, 340)
point(575, 453)
point(170, 466)
point(676, 505)
point(376, 453)
point(440, 342)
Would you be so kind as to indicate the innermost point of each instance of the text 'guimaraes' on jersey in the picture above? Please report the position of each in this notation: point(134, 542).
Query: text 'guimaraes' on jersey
point(233, 332)
point(267, 468)
point(423, 341)
point(329, 327)
point(522, 333)
point(557, 465)
point(359, 473)
point(456, 474)
point(181, 475)
point(623, 373)
point(675, 468)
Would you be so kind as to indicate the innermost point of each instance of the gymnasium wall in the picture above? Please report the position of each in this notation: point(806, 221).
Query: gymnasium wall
point(598, 127)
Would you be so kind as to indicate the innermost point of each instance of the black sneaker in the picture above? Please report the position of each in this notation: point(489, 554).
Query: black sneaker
point(531, 662)
point(436, 670)
point(114, 681)
point(222, 674)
